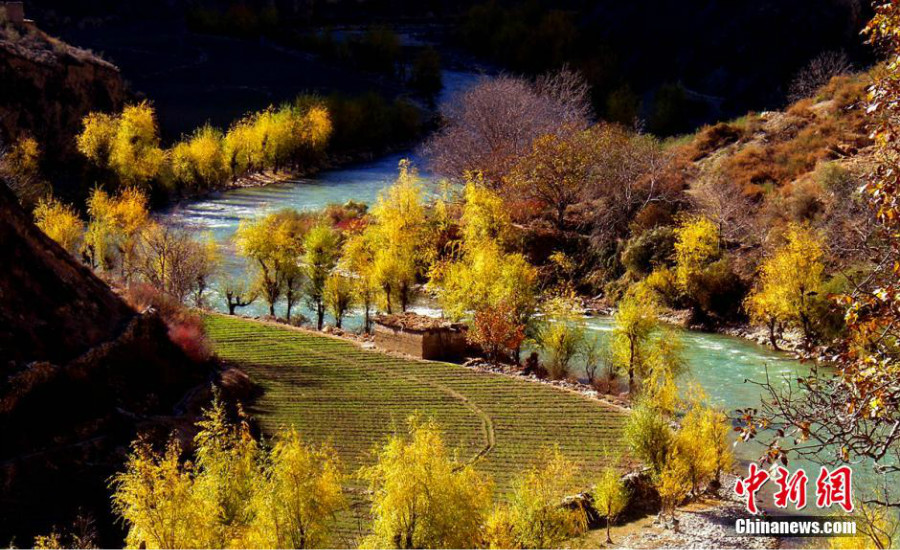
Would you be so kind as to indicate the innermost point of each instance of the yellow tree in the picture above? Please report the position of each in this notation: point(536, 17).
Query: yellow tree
point(536, 516)
point(338, 296)
point(696, 246)
point(316, 129)
point(226, 473)
point(649, 436)
point(296, 501)
point(610, 497)
point(402, 237)
point(60, 222)
point(237, 149)
point(716, 427)
point(20, 166)
point(135, 155)
point(422, 496)
point(115, 226)
point(673, 481)
point(358, 259)
point(485, 216)
point(697, 454)
point(636, 320)
point(665, 363)
point(96, 138)
point(561, 335)
point(790, 282)
point(497, 288)
point(155, 498)
point(199, 161)
point(322, 247)
point(275, 245)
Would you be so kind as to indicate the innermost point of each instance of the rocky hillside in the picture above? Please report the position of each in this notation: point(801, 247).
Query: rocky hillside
point(80, 373)
point(48, 86)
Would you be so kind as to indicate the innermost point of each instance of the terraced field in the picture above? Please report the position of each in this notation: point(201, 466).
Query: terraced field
point(332, 390)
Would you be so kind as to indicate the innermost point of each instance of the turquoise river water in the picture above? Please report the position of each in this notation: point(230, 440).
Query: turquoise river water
point(720, 364)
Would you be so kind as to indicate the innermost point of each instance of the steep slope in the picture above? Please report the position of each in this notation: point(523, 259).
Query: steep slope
point(48, 86)
point(80, 372)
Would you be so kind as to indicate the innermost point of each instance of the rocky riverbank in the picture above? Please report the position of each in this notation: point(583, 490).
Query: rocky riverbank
point(706, 523)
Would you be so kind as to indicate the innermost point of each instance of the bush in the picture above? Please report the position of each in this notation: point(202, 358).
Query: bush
point(649, 250)
point(711, 138)
point(649, 436)
point(186, 328)
point(190, 335)
point(720, 290)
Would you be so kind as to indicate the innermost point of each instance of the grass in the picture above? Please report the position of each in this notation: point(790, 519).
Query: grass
point(332, 390)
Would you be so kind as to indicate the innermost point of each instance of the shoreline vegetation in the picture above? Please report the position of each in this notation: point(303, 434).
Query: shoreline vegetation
point(765, 221)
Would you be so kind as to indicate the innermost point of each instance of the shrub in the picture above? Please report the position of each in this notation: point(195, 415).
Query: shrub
point(186, 328)
point(650, 249)
point(649, 436)
point(711, 138)
point(497, 332)
point(189, 335)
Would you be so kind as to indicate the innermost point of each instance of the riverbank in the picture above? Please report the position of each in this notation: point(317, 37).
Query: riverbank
point(263, 178)
point(788, 342)
point(704, 523)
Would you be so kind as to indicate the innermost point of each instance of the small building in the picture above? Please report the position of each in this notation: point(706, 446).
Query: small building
point(15, 12)
point(421, 336)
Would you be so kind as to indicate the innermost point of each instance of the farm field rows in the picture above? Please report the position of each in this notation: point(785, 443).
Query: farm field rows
point(332, 390)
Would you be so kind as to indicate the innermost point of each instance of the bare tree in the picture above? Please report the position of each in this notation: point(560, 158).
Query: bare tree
point(629, 173)
point(173, 262)
point(495, 121)
point(723, 202)
point(817, 73)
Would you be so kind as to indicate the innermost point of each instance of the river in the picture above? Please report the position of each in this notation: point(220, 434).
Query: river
point(721, 364)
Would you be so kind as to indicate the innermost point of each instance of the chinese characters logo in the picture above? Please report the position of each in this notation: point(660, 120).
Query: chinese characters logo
point(833, 487)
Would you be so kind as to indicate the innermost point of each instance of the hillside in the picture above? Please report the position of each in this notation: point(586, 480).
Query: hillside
point(79, 371)
point(48, 86)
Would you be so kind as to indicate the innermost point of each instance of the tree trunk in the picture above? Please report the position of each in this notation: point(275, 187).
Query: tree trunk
point(772, 338)
point(367, 327)
point(608, 538)
point(631, 367)
point(231, 308)
point(320, 316)
point(272, 309)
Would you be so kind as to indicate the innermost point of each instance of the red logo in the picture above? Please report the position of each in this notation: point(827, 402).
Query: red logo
point(833, 487)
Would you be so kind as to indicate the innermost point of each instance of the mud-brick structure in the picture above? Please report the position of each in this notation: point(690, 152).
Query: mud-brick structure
point(15, 12)
point(421, 336)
